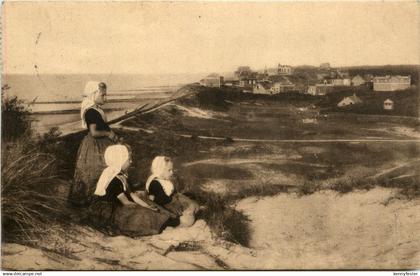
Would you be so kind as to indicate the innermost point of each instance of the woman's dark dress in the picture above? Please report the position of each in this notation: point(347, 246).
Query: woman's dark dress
point(90, 162)
point(108, 214)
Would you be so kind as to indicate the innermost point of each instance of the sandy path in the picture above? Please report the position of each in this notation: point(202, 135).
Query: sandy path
point(331, 231)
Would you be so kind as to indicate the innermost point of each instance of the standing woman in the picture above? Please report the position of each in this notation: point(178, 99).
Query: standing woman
point(90, 156)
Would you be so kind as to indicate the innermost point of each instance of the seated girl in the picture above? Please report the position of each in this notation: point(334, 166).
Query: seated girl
point(161, 190)
point(115, 208)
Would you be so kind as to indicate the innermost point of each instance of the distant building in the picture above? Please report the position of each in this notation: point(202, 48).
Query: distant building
point(281, 84)
point(231, 81)
point(284, 70)
point(338, 81)
point(248, 81)
point(347, 82)
point(325, 66)
point(391, 83)
point(320, 89)
point(388, 104)
point(212, 80)
point(262, 88)
point(246, 78)
point(282, 87)
point(357, 81)
point(347, 101)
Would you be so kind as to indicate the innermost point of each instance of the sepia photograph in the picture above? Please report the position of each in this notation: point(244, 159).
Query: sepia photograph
point(210, 136)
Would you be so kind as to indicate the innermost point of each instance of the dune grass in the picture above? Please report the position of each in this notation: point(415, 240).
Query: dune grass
point(31, 201)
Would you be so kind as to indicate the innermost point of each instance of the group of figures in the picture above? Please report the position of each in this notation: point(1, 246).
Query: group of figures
point(100, 187)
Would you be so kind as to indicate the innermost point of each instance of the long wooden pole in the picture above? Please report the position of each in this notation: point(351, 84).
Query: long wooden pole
point(141, 110)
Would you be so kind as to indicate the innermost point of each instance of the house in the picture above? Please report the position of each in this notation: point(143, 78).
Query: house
point(347, 101)
point(248, 81)
point(339, 81)
point(320, 89)
point(388, 104)
point(212, 80)
point(391, 83)
point(262, 88)
point(357, 81)
point(347, 82)
point(281, 87)
point(284, 70)
point(246, 77)
point(231, 81)
point(281, 84)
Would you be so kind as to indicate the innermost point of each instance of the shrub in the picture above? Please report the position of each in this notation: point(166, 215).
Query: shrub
point(15, 119)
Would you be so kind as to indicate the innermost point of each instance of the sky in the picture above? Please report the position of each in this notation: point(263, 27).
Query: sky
point(195, 37)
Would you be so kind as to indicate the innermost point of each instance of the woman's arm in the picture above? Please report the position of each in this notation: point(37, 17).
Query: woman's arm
point(101, 133)
point(140, 202)
point(124, 200)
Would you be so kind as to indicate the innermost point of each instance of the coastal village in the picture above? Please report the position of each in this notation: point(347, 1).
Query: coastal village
point(315, 81)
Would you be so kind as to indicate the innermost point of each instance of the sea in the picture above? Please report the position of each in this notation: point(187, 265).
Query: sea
point(54, 99)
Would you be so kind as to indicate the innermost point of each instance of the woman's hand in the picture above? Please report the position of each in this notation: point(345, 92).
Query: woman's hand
point(113, 136)
point(153, 208)
point(131, 205)
point(175, 208)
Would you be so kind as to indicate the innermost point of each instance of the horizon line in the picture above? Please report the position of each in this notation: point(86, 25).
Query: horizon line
point(197, 73)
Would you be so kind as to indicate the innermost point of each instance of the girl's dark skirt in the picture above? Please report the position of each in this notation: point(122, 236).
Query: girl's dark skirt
point(130, 220)
point(89, 165)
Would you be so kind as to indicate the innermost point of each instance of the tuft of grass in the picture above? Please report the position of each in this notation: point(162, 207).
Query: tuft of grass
point(308, 188)
point(222, 218)
point(235, 227)
point(188, 246)
point(30, 192)
point(409, 186)
point(348, 184)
